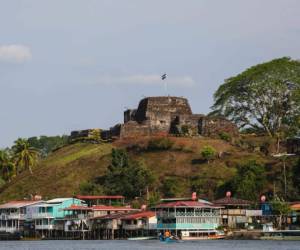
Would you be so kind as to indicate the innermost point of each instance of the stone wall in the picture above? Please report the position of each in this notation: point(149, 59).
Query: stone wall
point(213, 126)
point(165, 115)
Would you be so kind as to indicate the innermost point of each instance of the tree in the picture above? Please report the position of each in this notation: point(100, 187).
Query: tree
point(172, 187)
point(7, 167)
point(46, 144)
point(249, 181)
point(25, 156)
point(208, 153)
point(265, 97)
point(281, 208)
point(127, 177)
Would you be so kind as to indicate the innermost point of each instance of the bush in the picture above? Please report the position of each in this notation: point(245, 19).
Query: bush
point(172, 187)
point(208, 153)
point(160, 144)
point(225, 136)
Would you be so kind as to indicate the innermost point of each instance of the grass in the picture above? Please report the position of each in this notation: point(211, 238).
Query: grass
point(62, 172)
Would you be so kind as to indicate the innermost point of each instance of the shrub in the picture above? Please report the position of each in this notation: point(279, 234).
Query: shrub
point(160, 144)
point(208, 153)
point(225, 136)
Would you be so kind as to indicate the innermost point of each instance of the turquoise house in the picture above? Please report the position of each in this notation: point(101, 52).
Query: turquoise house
point(189, 219)
point(49, 215)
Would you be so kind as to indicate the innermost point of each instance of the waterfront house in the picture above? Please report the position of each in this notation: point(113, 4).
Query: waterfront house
point(238, 213)
point(48, 216)
point(143, 223)
point(76, 220)
point(14, 214)
point(189, 219)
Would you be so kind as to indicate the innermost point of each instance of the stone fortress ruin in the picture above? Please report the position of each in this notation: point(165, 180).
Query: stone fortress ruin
point(164, 115)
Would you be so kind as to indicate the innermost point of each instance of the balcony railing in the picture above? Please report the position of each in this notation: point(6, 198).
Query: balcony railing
point(40, 215)
point(44, 227)
point(188, 214)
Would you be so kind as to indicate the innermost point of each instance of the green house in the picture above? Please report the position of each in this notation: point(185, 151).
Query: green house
point(49, 215)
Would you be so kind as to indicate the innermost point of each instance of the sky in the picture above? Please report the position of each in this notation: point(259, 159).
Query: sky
point(76, 64)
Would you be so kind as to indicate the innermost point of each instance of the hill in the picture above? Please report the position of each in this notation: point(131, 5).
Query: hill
point(64, 170)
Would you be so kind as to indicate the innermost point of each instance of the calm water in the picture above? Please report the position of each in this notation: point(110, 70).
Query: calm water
point(137, 245)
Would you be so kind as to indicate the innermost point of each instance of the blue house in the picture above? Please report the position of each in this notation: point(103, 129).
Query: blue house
point(48, 216)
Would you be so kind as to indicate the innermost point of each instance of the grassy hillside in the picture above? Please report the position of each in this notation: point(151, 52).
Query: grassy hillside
point(62, 172)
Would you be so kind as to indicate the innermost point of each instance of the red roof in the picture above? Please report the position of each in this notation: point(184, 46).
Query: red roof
point(97, 197)
point(138, 215)
point(127, 216)
point(111, 208)
point(77, 207)
point(187, 204)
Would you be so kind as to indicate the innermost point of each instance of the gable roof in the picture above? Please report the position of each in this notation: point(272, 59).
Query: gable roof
point(18, 204)
point(187, 204)
point(112, 208)
point(139, 215)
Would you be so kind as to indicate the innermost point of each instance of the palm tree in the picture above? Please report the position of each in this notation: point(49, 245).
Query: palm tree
point(25, 156)
point(7, 167)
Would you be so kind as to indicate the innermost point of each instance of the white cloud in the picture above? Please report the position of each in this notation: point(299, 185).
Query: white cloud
point(185, 81)
point(14, 53)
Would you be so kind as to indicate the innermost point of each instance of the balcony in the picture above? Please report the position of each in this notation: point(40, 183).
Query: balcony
point(133, 227)
point(200, 226)
point(41, 215)
point(8, 229)
point(16, 216)
point(44, 227)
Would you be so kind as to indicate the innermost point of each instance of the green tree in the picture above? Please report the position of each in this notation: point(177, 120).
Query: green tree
point(25, 156)
point(7, 167)
point(172, 187)
point(249, 181)
point(46, 144)
point(280, 208)
point(127, 177)
point(265, 97)
point(208, 153)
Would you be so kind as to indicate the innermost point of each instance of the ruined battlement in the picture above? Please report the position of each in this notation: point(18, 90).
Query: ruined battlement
point(167, 115)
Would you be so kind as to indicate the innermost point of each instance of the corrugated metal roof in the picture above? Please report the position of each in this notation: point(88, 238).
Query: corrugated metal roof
point(96, 197)
point(77, 207)
point(58, 200)
point(139, 215)
point(18, 204)
point(187, 204)
point(112, 208)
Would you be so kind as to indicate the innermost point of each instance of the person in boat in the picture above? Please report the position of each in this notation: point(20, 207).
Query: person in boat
point(167, 234)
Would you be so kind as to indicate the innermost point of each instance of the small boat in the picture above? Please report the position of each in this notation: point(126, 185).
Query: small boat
point(142, 238)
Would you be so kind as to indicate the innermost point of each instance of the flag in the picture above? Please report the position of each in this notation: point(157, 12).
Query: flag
point(164, 76)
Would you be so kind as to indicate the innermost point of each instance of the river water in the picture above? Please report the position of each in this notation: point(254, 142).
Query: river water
point(151, 244)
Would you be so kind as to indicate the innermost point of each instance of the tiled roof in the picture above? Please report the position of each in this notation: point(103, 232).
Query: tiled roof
point(112, 208)
point(58, 200)
point(232, 201)
point(77, 207)
point(18, 204)
point(96, 197)
point(187, 204)
point(295, 206)
point(138, 215)
point(127, 216)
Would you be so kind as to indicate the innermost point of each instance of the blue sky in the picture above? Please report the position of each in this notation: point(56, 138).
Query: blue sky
point(76, 64)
